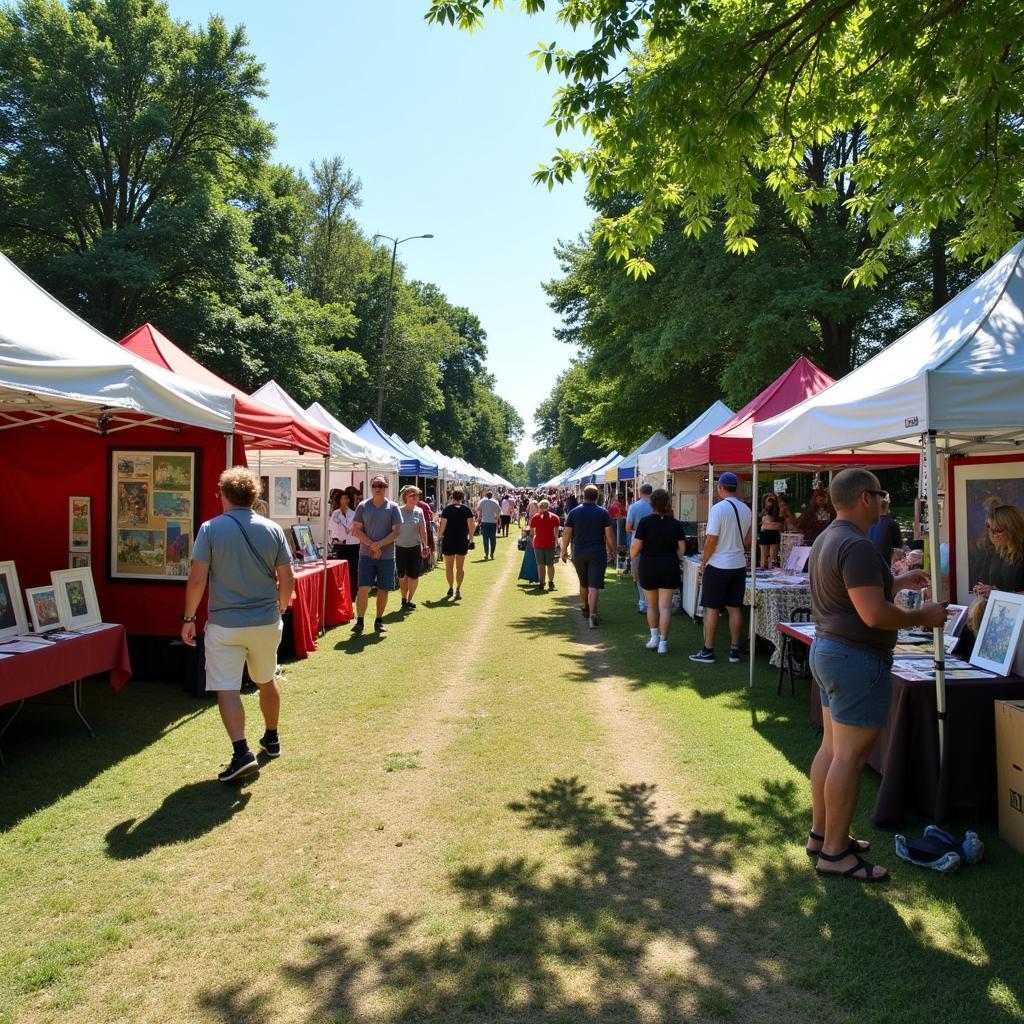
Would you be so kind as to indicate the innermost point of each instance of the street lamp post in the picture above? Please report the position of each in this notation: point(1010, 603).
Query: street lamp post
point(387, 317)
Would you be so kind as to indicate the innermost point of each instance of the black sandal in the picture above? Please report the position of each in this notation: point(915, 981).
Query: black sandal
point(862, 865)
point(856, 847)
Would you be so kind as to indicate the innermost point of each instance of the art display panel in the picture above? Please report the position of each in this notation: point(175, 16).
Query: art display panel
point(13, 621)
point(77, 604)
point(152, 513)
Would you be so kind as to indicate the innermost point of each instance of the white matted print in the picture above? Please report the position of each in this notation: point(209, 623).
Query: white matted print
point(80, 523)
point(977, 488)
point(78, 559)
point(42, 606)
point(282, 494)
point(13, 621)
point(76, 597)
point(999, 633)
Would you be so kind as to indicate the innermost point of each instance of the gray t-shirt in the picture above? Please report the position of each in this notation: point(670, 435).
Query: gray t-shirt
point(243, 588)
point(411, 523)
point(378, 524)
point(843, 557)
point(489, 510)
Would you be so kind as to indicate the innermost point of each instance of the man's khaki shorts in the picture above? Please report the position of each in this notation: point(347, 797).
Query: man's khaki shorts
point(228, 648)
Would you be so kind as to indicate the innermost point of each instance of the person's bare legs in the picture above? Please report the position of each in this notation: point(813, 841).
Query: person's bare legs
point(592, 597)
point(651, 597)
point(449, 570)
point(585, 598)
point(851, 746)
point(819, 771)
point(270, 703)
point(710, 625)
point(735, 625)
point(361, 598)
point(765, 558)
point(460, 570)
point(664, 598)
point(410, 587)
point(773, 554)
point(382, 601)
point(232, 713)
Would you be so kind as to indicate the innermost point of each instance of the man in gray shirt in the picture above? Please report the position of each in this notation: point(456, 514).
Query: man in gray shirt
point(246, 562)
point(488, 512)
point(377, 524)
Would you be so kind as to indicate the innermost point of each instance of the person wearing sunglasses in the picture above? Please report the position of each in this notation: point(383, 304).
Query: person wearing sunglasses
point(856, 622)
point(377, 524)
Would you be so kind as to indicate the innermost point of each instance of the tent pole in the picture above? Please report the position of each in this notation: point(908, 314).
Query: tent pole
point(229, 449)
point(928, 443)
point(323, 551)
point(753, 575)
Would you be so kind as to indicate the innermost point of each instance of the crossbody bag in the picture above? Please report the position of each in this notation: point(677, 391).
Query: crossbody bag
point(252, 547)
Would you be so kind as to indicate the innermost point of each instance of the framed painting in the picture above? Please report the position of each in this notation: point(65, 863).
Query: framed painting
point(305, 545)
point(78, 559)
point(999, 633)
point(13, 621)
point(302, 508)
point(76, 598)
point(152, 515)
point(976, 487)
point(79, 523)
point(42, 606)
point(309, 480)
point(282, 494)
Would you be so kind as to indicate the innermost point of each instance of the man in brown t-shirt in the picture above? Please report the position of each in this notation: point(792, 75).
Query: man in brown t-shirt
point(851, 658)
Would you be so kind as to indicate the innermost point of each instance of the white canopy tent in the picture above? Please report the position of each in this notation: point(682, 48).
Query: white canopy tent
point(53, 365)
point(653, 464)
point(952, 385)
point(377, 459)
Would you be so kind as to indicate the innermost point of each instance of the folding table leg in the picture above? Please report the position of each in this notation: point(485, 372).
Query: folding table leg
point(76, 698)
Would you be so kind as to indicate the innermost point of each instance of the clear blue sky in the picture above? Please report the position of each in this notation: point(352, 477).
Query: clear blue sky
point(444, 129)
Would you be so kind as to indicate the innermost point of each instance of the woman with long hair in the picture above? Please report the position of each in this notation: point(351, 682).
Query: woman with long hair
point(770, 532)
point(411, 548)
point(344, 543)
point(659, 541)
point(1004, 567)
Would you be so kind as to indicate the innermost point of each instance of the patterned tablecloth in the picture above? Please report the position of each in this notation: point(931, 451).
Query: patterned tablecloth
point(776, 604)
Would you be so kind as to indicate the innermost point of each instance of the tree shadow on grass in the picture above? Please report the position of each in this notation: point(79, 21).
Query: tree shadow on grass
point(185, 814)
point(49, 755)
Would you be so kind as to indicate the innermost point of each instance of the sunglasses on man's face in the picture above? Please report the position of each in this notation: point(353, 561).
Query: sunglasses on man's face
point(378, 487)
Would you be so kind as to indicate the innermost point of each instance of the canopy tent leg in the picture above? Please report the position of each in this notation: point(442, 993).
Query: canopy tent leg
point(753, 577)
point(229, 449)
point(928, 445)
point(323, 551)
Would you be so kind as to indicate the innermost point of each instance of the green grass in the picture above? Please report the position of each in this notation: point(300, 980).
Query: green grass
point(492, 814)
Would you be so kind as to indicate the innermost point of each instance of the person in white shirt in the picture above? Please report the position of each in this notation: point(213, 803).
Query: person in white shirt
point(724, 567)
point(506, 515)
point(487, 513)
point(344, 543)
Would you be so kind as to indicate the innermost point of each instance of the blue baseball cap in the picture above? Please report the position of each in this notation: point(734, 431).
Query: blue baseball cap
point(728, 479)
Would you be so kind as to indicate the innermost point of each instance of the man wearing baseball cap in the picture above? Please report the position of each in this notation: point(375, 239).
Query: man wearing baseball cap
point(724, 566)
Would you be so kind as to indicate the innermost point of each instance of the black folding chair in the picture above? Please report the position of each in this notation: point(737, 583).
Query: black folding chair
point(793, 655)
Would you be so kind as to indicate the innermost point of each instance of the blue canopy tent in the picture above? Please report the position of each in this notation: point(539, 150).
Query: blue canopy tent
point(409, 463)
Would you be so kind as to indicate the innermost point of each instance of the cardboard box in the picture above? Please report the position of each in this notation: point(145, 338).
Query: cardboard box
point(1010, 770)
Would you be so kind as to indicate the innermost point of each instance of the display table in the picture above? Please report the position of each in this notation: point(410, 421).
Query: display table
point(775, 604)
point(102, 648)
point(906, 753)
point(307, 602)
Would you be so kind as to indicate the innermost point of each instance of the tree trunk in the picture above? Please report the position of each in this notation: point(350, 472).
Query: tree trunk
point(837, 346)
point(940, 276)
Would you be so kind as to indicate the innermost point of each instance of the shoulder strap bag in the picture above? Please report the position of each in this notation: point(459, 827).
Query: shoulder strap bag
point(249, 544)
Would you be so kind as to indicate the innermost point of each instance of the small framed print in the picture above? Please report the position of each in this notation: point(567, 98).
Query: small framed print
point(78, 559)
point(309, 480)
point(282, 494)
point(79, 523)
point(42, 606)
point(999, 632)
point(76, 598)
point(13, 621)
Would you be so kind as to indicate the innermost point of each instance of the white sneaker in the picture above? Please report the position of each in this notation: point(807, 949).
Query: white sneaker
point(663, 647)
point(652, 643)
point(641, 607)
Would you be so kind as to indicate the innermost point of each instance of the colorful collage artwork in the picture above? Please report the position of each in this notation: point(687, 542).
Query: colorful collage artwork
point(153, 505)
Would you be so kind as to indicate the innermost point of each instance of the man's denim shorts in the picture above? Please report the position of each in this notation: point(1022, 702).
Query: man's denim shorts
point(379, 571)
point(855, 685)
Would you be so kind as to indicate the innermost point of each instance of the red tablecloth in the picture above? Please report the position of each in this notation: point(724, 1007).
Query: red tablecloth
point(55, 664)
point(307, 602)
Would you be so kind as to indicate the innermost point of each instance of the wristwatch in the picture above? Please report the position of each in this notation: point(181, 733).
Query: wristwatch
point(188, 618)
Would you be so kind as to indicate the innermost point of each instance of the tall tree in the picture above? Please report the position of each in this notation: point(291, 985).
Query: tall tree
point(688, 106)
point(121, 133)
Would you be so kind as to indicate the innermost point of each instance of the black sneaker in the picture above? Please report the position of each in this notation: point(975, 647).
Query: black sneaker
point(734, 655)
point(405, 604)
point(378, 625)
point(586, 612)
point(272, 748)
point(450, 591)
point(551, 584)
point(705, 656)
point(358, 627)
point(240, 765)
point(409, 605)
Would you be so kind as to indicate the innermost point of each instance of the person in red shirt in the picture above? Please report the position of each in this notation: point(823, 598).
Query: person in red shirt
point(543, 535)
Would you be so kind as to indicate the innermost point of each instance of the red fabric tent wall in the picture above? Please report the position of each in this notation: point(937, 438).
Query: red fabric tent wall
point(45, 464)
point(731, 443)
point(259, 425)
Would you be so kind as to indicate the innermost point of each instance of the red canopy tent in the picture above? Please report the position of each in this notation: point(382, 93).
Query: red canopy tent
point(258, 425)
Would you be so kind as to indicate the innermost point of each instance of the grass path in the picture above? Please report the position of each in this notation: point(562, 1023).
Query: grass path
point(490, 814)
